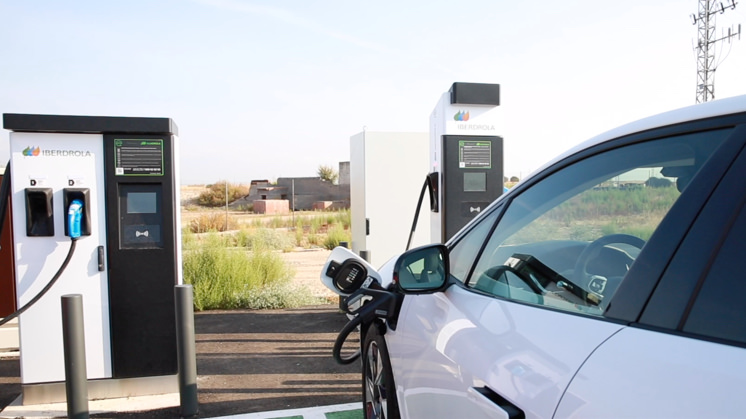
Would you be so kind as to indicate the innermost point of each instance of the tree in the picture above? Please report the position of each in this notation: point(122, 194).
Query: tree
point(328, 174)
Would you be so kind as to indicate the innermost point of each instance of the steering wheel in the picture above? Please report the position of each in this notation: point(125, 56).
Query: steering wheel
point(582, 277)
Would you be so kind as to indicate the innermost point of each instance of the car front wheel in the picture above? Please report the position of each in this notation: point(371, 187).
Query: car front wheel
point(379, 393)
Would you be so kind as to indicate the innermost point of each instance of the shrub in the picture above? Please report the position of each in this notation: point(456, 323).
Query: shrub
point(215, 194)
point(225, 278)
point(212, 222)
point(276, 296)
point(266, 239)
point(335, 235)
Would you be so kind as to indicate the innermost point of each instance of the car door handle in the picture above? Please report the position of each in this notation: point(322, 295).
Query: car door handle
point(512, 411)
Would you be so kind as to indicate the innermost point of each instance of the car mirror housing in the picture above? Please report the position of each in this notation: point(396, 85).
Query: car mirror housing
point(422, 270)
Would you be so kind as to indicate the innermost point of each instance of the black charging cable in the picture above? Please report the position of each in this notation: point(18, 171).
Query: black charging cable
point(4, 198)
point(383, 305)
point(46, 288)
point(425, 186)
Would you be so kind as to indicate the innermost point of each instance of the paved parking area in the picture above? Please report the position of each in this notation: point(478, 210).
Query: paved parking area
point(255, 361)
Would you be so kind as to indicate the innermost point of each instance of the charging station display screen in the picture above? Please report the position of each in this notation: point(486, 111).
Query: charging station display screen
point(475, 154)
point(142, 203)
point(475, 182)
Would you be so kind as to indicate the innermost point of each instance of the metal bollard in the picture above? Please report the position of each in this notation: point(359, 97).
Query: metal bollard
point(365, 254)
point(73, 338)
point(186, 351)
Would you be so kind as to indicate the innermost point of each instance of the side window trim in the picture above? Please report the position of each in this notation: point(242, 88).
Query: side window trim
point(673, 297)
point(645, 274)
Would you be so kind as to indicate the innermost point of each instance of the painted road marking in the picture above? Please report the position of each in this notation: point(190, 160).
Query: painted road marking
point(337, 411)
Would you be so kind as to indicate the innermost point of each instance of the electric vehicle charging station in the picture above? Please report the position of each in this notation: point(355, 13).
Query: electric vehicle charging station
point(117, 178)
point(386, 172)
point(466, 154)
point(466, 175)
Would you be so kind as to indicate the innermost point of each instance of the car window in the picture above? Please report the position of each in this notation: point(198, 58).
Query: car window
point(463, 254)
point(718, 310)
point(568, 240)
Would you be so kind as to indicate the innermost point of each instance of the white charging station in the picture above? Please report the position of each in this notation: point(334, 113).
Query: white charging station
point(125, 264)
point(387, 170)
point(466, 156)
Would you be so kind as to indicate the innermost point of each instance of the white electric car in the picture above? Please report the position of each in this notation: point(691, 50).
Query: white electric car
point(609, 284)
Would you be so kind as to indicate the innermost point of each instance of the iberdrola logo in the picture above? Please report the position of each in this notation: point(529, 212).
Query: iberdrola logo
point(31, 151)
point(461, 116)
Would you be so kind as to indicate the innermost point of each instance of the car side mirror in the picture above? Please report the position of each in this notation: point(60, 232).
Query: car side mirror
point(422, 270)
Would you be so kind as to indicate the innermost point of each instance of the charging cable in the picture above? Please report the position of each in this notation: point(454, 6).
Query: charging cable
point(430, 183)
point(74, 217)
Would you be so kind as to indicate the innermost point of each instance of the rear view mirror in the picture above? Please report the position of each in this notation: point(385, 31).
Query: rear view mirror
point(422, 270)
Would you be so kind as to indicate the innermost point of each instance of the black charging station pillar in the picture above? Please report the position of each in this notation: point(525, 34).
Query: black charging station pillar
point(466, 156)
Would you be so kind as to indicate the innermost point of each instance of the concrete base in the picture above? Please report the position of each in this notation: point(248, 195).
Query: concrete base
point(58, 410)
point(45, 393)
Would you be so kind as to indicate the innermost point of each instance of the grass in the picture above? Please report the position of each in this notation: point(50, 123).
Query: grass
point(241, 267)
point(228, 278)
point(599, 212)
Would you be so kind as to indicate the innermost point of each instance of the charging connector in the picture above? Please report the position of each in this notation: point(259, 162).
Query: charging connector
point(74, 219)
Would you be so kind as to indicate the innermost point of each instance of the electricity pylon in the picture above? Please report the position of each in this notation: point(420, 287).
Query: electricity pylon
point(706, 60)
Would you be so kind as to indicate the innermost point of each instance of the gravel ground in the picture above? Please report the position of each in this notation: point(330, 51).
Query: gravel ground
point(308, 265)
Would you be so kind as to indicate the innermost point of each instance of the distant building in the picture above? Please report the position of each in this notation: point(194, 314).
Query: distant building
point(303, 193)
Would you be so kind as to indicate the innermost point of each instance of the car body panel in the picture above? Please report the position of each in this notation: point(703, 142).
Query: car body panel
point(700, 376)
point(455, 341)
point(464, 353)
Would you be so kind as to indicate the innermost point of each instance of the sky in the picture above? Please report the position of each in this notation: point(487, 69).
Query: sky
point(270, 89)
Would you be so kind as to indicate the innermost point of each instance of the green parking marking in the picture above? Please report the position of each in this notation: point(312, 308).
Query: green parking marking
point(347, 414)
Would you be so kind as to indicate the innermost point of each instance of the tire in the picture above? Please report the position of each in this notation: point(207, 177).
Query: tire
point(379, 391)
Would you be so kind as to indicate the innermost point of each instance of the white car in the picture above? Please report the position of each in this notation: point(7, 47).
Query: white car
point(609, 284)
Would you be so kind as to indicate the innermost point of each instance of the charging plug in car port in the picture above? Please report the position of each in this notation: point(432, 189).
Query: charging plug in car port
point(348, 276)
point(376, 304)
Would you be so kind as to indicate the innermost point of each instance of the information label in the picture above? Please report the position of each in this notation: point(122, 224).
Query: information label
point(475, 154)
point(143, 157)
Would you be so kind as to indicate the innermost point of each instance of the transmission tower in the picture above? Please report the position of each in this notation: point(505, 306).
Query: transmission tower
point(705, 49)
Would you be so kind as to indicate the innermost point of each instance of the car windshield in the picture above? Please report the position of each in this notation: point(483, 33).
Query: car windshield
point(569, 240)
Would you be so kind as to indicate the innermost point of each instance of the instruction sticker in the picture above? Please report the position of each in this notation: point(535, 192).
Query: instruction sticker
point(475, 154)
point(143, 157)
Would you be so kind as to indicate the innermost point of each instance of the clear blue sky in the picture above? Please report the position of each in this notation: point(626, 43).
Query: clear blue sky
point(268, 89)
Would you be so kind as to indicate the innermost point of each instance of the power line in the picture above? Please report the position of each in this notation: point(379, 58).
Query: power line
point(705, 49)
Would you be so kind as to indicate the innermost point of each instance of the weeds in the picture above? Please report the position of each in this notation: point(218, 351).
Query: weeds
point(240, 267)
point(225, 278)
point(335, 235)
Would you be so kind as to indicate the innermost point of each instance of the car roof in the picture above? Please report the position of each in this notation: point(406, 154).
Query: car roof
point(727, 106)
point(706, 110)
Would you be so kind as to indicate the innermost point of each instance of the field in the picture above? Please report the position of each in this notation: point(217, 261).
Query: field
point(238, 259)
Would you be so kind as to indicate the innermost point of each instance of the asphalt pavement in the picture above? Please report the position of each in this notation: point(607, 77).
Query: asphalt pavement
point(252, 361)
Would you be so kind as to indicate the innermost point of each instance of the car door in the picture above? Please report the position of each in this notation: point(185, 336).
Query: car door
point(685, 356)
point(536, 277)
